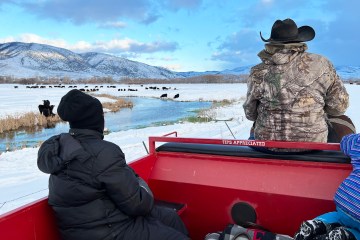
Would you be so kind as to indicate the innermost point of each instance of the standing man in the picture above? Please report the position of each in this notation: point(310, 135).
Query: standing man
point(292, 92)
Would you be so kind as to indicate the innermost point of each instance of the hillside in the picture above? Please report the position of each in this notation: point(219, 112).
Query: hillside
point(24, 60)
point(32, 60)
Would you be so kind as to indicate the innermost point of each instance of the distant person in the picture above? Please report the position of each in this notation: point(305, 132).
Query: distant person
point(93, 192)
point(344, 223)
point(292, 93)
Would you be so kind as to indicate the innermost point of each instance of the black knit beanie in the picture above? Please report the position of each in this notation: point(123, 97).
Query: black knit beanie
point(81, 111)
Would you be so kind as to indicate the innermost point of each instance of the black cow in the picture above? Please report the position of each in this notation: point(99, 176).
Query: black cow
point(46, 109)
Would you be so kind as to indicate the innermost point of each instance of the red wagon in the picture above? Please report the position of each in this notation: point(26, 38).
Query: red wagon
point(205, 178)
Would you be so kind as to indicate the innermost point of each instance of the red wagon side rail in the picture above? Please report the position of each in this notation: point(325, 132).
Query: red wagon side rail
point(239, 142)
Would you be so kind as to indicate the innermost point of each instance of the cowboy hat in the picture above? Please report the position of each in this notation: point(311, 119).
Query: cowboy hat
point(286, 31)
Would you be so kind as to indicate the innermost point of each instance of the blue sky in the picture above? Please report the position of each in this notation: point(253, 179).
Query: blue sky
point(181, 35)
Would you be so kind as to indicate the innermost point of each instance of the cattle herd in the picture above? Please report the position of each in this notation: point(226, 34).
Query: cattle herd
point(47, 110)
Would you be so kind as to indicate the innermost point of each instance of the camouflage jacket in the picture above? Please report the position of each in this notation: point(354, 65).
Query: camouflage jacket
point(291, 93)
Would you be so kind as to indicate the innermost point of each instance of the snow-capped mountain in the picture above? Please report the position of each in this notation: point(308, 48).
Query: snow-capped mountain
point(348, 72)
point(345, 72)
point(115, 66)
point(195, 74)
point(24, 60)
point(236, 71)
point(39, 60)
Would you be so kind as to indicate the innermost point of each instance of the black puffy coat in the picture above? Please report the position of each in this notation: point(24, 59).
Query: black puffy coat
point(93, 192)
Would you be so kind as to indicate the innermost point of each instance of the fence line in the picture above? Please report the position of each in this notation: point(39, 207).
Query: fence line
point(12, 200)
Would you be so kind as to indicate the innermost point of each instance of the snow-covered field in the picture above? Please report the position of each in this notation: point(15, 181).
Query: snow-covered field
point(20, 180)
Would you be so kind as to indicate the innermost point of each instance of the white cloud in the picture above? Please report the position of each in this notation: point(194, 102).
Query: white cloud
point(125, 45)
point(120, 44)
point(131, 45)
point(81, 46)
point(117, 24)
point(33, 38)
point(7, 39)
point(173, 67)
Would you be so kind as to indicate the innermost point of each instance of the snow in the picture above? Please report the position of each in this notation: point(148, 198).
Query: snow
point(20, 180)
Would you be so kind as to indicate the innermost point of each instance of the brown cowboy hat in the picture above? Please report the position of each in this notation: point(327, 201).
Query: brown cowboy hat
point(287, 32)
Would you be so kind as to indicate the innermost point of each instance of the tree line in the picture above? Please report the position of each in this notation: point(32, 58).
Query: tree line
point(109, 80)
point(204, 79)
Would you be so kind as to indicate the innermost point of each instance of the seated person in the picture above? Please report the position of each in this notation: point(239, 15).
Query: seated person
point(291, 93)
point(93, 192)
point(344, 223)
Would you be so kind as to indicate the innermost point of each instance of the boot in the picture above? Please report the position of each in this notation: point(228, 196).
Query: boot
point(309, 229)
point(340, 233)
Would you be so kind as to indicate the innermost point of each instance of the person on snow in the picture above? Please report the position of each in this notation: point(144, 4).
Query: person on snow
point(344, 223)
point(93, 192)
point(292, 92)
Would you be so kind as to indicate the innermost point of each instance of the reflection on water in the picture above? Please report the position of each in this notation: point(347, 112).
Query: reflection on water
point(146, 112)
point(10, 135)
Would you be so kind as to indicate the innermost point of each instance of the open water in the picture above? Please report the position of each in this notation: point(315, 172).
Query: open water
point(145, 113)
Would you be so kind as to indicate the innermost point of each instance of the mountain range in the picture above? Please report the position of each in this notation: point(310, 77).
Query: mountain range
point(20, 60)
point(24, 60)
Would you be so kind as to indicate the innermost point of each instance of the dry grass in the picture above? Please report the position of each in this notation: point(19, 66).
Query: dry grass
point(28, 120)
point(222, 103)
point(117, 105)
point(31, 121)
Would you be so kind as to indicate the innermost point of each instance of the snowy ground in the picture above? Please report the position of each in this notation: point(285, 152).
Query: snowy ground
point(20, 180)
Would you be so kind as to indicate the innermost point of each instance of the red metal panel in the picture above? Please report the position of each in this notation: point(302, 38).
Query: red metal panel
point(306, 179)
point(33, 221)
point(284, 193)
point(144, 166)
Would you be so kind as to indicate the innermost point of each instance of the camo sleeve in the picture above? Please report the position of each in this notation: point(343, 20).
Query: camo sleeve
point(251, 103)
point(337, 98)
